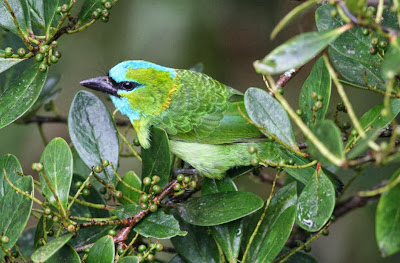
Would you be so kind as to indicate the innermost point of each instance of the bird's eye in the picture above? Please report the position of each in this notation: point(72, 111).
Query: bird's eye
point(128, 85)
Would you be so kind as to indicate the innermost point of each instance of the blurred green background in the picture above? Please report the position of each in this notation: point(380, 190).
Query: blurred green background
point(226, 36)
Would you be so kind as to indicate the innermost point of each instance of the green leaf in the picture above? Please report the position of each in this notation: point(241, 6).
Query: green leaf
point(291, 15)
point(125, 211)
point(266, 111)
point(298, 257)
point(88, 7)
point(66, 254)
point(391, 62)
point(374, 119)
point(21, 12)
point(17, 98)
point(11, 164)
point(387, 226)
point(102, 251)
point(6, 63)
point(130, 259)
point(157, 159)
point(25, 242)
point(93, 133)
point(350, 52)
point(316, 203)
point(297, 51)
point(356, 6)
point(36, 12)
point(89, 235)
point(18, 207)
point(198, 246)
point(131, 179)
point(39, 233)
point(326, 131)
point(276, 226)
point(212, 186)
point(45, 252)
point(58, 167)
point(319, 81)
point(219, 208)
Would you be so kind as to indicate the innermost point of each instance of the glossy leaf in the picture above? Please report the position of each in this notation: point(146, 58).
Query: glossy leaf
point(17, 98)
point(66, 254)
point(391, 62)
point(319, 81)
point(130, 259)
point(37, 12)
point(39, 233)
point(157, 159)
point(11, 164)
point(316, 203)
point(198, 246)
point(89, 235)
point(25, 242)
point(219, 208)
point(266, 111)
point(131, 179)
point(387, 226)
point(18, 207)
point(57, 166)
point(275, 227)
point(102, 251)
point(296, 51)
point(93, 133)
point(45, 252)
point(212, 186)
point(350, 52)
point(21, 12)
point(6, 63)
point(85, 15)
point(326, 131)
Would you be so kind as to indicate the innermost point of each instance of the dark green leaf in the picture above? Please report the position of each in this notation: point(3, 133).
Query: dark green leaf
point(266, 111)
point(316, 203)
point(326, 131)
point(26, 242)
point(12, 165)
point(21, 94)
point(157, 159)
point(21, 12)
point(297, 51)
point(36, 12)
point(356, 6)
point(219, 208)
point(102, 251)
point(387, 226)
point(130, 259)
point(85, 15)
point(66, 254)
point(350, 52)
point(212, 186)
point(39, 233)
point(198, 246)
point(319, 81)
point(125, 211)
point(131, 179)
point(18, 207)
point(45, 252)
point(6, 63)
point(177, 259)
point(298, 257)
point(89, 235)
point(275, 227)
point(57, 166)
point(391, 62)
point(93, 133)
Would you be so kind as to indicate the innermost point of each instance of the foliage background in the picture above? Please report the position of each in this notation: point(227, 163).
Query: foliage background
point(226, 36)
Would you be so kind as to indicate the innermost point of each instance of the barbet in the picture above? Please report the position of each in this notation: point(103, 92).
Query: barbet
point(200, 115)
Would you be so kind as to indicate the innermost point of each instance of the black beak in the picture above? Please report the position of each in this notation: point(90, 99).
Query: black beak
point(103, 84)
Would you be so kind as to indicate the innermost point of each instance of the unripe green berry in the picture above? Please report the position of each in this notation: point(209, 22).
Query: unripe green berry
point(156, 179)
point(43, 49)
point(319, 98)
point(136, 142)
point(42, 67)
point(88, 185)
point(143, 206)
point(365, 31)
point(290, 162)
point(299, 112)
point(54, 43)
point(58, 9)
point(354, 133)
point(373, 50)
point(159, 247)
point(186, 179)
point(180, 177)
point(193, 184)
point(21, 52)
point(104, 19)
point(111, 232)
point(50, 233)
point(152, 245)
point(374, 41)
point(64, 8)
point(4, 239)
point(142, 248)
point(37, 167)
point(318, 104)
point(382, 44)
point(103, 1)
point(85, 192)
point(57, 54)
point(95, 15)
point(105, 13)
point(71, 228)
point(147, 181)
point(384, 146)
point(313, 94)
point(307, 249)
point(384, 112)
point(252, 149)
point(86, 250)
point(280, 91)
point(78, 184)
point(107, 5)
point(177, 187)
point(47, 211)
point(150, 257)
point(346, 125)
point(49, 217)
point(8, 52)
point(325, 232)
point(15, 254)
point(372, 9)
point(153, 208)
point(118, 194)
point(254, 162)
point(144, 198)
point(333, 13)
point(120, 251)
point(157, 189)
point(53, 59)
point(105, 163)
point(97, 169)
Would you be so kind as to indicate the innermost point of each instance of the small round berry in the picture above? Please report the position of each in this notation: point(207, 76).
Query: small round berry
point(180, 177)
point(143, 206)
point(307, 249)
point(144, 198)
point(157, 189)
point(107, 5)
point(71, 228)
point(47, 211)
point(97, 169)
point(105, 163)
point(50, 233)
point(280, 91)
point(54, 43)
point(21, 52)
point(186, 180)
point(112, 232)
point(42, 67)
point(156, 179)
point(290, 162)
point(193, 184)
point(37, 167)
point(384, 112)
point(177, 187)
point(374, 41)
point(58, 9)
point(57, 54)
point(354, 133)
point(43, 49)
point(95, 15)
point(254, 162)
point(152, 245)
point(39, 57)
point(373, 50)
point(86, 250)
point(49, 217)
point(118, 194)
point(159, 247)
point(48, 106)
point(53, 59)
point(313, 94)
point(103, 2)
point(142, 248)
point(318, 104)
point(15, 254)
point(333, 218)
point(382, 44)
point(85, 192)
point(4, 239)
point(372, 9)
point(88, 185)
point(333, 13)
point(150, 257)
point(299, 112)
point(78, 184)
point(153, 208)
point(121, 251)
point(103, 190)
point(346, 125)
point(64, 8)
point(340, 106)
point(8, 52)
point(105, 13)
point(319, 98)
point(147, 181)
point(136, 142)
point(365, 31)
point(252, 149)
point(325, 232)
point(104, 19)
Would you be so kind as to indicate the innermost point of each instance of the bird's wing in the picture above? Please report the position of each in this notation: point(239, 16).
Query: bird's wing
point(204, 110)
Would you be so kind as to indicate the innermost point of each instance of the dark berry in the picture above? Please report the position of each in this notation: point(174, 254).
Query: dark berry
point(136, 142)
point(103, 190)
point(346, 125)
point(15, 254)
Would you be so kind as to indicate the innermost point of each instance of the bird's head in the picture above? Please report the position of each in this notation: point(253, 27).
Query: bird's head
point(137, 88)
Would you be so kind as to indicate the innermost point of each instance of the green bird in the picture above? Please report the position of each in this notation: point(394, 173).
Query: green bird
point(200, 115)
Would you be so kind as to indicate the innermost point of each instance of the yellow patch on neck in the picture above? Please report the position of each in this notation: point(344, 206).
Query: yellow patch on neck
point(168, 100)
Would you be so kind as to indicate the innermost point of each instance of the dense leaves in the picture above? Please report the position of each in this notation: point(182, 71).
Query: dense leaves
point(45, 252)
point(131, 179)
point(391, 63)
point(103, 251)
